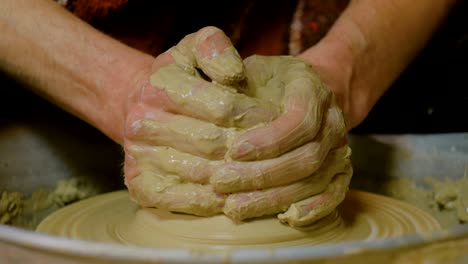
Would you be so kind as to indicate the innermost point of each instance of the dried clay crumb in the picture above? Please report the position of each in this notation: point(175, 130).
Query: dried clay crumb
point(11, 204)
point(27, 211)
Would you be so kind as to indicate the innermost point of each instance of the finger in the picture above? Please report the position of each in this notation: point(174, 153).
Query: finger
point(151, 189)
point(176, 85)
point(210, 50)
point(130, 166)
point(246, 205)
point(160, 128)
point(208, 101)
point(264, 78)
point(169, 161)
point(295, 165)
point(310, 210)
point(305, 99)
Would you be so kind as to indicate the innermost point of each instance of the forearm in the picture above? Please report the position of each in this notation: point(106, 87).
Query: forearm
point(370, 45)
point(68, 62)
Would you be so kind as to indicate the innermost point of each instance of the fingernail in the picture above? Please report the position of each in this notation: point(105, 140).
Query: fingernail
point(225, 180)
point(244, 151)
point(211, 42)
point(236, 206)
point(225, 67)
point(219, 59)
point(231, 62)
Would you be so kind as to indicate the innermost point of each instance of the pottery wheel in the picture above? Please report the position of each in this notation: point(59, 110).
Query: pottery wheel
point(114, 218)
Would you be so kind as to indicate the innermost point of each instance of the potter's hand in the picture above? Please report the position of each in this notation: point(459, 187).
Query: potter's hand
point(179, 120)
point(303, 97)
point(307, 160)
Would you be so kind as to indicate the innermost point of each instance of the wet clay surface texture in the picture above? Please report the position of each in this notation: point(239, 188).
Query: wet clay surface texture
point(114, 218)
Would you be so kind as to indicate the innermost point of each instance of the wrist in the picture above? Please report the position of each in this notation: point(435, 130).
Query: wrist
point(334, 60)
point(71, 64)
point(362, 55)
point(125, 80)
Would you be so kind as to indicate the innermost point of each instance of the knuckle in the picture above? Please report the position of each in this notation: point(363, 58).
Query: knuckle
point(221, 111)
point(209, 30)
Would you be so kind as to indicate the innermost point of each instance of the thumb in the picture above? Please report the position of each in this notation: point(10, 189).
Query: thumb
point(210, 50)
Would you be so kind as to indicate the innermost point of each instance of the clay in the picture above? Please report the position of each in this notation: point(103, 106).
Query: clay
point(27, 211)
point(35, 208)
point(11, 204)
point(113, 218)
point(446, 200)
point(452, 195)
point(401, 189)
point(169, 193)
point(71, 190)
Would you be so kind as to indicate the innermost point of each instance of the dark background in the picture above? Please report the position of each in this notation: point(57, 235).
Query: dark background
point(431, 96)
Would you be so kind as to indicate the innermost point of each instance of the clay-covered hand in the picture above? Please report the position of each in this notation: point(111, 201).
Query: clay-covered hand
point(298, 161)
point(183, 117)
point(194, 117)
